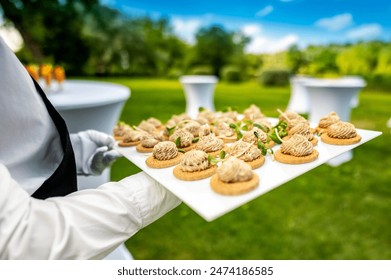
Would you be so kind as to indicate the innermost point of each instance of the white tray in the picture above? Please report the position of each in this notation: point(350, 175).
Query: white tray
point(202, 199)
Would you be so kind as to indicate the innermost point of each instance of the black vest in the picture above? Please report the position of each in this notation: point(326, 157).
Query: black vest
point(63, 181)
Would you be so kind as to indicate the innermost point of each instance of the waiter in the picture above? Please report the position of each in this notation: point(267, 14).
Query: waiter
point(42, 215)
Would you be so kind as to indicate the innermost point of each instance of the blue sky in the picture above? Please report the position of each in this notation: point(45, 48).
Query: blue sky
point(273, 25)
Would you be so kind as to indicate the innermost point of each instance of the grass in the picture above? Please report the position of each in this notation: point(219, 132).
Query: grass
point(328, 213)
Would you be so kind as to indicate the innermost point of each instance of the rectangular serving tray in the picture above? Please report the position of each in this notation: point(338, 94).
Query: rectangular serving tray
point(210, 205)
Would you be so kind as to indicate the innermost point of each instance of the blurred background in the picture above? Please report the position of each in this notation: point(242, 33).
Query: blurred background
point(254, 47)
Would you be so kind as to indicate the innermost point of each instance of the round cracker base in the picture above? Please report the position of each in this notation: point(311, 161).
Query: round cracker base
point(193, 176)
point(189, 148)
point(141, 149)
point(155, 163)
point(118, 138)
point(128, 144)
point(268, 145)
point(215, 153)
point(233, 188)
point(314, 141)
point(336, 141)
point(231, 139)
point(257, 162)
point(271, 144)
point(320, 130)
point(284, 158)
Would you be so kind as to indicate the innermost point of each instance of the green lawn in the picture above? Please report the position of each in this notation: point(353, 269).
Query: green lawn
point(328, 213)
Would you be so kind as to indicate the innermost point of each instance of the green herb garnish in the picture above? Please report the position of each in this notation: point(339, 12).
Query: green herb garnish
point(170, 130)
point(178, 142)
point(222, 154)
point(264, 129)
point(212, 160)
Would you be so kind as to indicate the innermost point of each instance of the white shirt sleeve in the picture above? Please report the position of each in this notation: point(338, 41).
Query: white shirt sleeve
point(87, 224)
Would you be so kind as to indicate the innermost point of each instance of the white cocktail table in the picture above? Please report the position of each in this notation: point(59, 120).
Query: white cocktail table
point(90, 105)
point(199, 92)
point(338, 95)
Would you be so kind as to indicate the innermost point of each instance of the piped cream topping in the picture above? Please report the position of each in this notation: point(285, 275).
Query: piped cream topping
point(291, 118)
point(328, 120)
point(186, 137)
point(298, 146)
point(253, 112)
point(165, 150)
point(120, 129)
point(204, 130)
point(146, 126)
point(134, 136)
point(155, 122)
point(207, 114)
point(302, 128)
point(194, 160)
point(249, 136)
point(342, 130)
point(244, 151)
point(233, 115)
point(193, 127)
point(210, 143)
point(234, 170)
point(224, 130)
point(263, 122)
point(149, 142)
point(288, 115)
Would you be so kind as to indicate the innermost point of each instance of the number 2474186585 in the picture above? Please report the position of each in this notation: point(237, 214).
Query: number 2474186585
point(241, 270)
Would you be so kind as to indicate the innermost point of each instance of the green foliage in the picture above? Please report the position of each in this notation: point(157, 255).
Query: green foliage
point(384, 61)
point(274, 61)
point(51, 29)
point(201, 70)
point(274, 77)
point(379, 81)
point(359, 59)
point(295, 59)
point(231, 73)
point(253, 64)
point(215, 47)
point(320, 60)
point(371, 60)
point(174, 73)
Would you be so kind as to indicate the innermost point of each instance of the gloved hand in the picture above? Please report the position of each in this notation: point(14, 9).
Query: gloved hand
point(93, 151)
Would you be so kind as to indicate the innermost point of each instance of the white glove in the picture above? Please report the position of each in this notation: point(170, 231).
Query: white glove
point(93, 151)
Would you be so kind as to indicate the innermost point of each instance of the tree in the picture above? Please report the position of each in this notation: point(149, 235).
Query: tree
point(295, 58)
point(384, 61)
point(51, 28)
point(359, 59)
point(214, 46)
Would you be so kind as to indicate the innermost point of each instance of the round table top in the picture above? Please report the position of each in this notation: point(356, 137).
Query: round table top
point(198, 79)
point(83, 94)
point(345, 82)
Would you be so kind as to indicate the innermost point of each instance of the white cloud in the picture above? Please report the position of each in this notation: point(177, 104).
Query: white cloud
point(263, 44)
point(186, 28)
point(265, 11)
point(335, 23)
point(252, 30)
point(365, 31)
